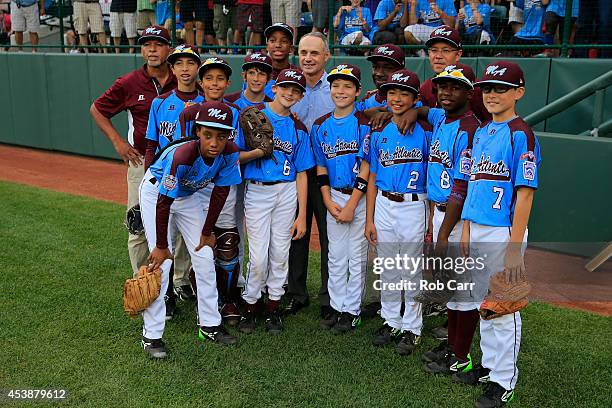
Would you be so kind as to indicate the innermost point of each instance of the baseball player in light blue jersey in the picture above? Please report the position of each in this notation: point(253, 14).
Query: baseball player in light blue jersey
point(503, 178)
point(340, 141)
point(166, 108)
point(256, 72)
point(275, 188)
point(397, 213)
point(448, 171)
point(169, 198)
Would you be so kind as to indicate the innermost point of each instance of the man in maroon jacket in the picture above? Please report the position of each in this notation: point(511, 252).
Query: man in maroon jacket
point(134, 93)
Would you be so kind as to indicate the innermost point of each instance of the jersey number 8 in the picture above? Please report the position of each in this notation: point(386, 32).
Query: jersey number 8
point(444, 180)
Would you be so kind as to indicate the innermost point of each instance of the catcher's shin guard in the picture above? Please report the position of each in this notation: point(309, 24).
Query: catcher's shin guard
point(227, 263)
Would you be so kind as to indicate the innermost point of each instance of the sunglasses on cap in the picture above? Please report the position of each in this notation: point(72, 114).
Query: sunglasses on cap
point(498, 89)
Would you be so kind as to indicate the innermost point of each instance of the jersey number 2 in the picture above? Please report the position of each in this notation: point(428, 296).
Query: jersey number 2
point(500, 193)
point(414, 176)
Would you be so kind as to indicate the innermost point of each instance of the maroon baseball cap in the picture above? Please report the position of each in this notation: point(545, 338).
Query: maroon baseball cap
point(279, 27)
point(184, 50)
point(155, 33)
point(292, 77)
point(215, 115)
point(214, 62)
point(446, 34)
point(460, 73)
point(262, 61)
point(389, 52)
point(502, 73)
point(404, 79)
point(345, 71)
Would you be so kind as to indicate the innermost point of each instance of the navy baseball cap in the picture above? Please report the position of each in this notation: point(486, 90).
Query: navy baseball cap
point(215, 115)
point(292, 77)
point(390, 52)
point(184, 50)
point(446, 34)
point(261, 61)
point(404, 79)
point(214, 62)
point(459, 73)
point(279, 27)
point(502, 73)
point(345, 71)
point(155, 33)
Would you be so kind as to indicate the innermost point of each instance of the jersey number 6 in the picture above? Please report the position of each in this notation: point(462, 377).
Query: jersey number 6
point(286, 168)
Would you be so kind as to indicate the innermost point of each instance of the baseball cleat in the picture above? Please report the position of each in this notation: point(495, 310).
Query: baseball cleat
point(385, 335)
point(346, 323)
point(274, 323)
point(184, 293)
point(440, 333)
point(294, 306)
point(495, 396)
point(216, 334)
point(436, 353)
point(478, 375)
point(170, 306)
point(449, 365)
point(155, 348)
point(371, 310)
point(230, 314)
point(248, 322)
point(408, 341)
point(434, 309)
point(329, 319)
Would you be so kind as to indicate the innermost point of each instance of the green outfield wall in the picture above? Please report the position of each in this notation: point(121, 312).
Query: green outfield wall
point(45, 100)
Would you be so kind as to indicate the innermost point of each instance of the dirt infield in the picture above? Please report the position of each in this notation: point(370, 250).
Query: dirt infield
point(559, 279)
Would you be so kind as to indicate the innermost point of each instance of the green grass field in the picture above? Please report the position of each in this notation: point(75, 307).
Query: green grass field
point(64, 260)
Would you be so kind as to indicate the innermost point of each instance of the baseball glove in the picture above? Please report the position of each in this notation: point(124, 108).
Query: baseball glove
point(141, 291)
point(504, 297)
point(133, 220)
point(258, 132)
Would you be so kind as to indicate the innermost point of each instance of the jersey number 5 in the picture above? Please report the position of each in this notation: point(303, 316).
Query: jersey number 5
point(500, 193)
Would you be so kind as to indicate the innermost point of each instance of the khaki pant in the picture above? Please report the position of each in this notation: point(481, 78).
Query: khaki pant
point(137, 244)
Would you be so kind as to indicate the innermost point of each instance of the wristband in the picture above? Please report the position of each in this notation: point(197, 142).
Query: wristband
point(361, 184)
point(323, 180)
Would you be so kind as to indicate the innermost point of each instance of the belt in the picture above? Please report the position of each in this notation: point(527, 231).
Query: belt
point(441, 207)
point(265, 183)
point(400, 198)
point(347, 190)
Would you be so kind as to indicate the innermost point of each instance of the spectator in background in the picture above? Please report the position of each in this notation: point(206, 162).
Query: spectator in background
point(123, 16)
point(89, 11)
point(531, 33)
point(594, 26)
point(372, 5)
point(223, 11)
point(320, 14)
point(425, 17)
point(146, 14)
point(390, 18)
point(250, 13)
point(515, 17)
point(286, 11)
point(163, 15)
point(354, 24)
point(200, 11)
point(474, 22)
point(25, 16)
point(553, 19)
point(105, 6)
point(5, 28)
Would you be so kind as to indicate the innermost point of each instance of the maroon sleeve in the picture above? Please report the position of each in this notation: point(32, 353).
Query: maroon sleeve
point(162, 216)
point(428, 97)
point(217, 201)
point(150, 152)
point(478, 106)
point(459, 191)
point(113, 100)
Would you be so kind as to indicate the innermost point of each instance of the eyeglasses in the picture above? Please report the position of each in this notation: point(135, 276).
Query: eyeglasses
point(443, 51)
point(498, 89)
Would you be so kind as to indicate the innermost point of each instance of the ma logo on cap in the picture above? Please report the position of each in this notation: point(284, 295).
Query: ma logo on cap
point(258, 57)
point(293, 74)
point(213, 60)
point(400, 78)
point(441, 31)
point(216, 113)
point(494, 70)
point(384, 50)
point(152, 30)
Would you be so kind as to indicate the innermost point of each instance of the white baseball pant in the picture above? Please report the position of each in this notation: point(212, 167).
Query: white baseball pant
point(400, 229)
point(269, 213)
point(347, 258)
point(500, 338)
point(186, 214)
point(227, 218)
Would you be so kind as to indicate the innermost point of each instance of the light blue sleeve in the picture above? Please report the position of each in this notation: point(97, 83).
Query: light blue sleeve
point(525, 161)
point(341, 25)
point(462, 162)
point(520, 4)
point(152, 124)
point(435, 115)
point(316, 146)
point(382, 10)
point(229, 174)
point(372, 157)
point(169, 185)
point(364, 142)
point(303, 158)
point(449, 8)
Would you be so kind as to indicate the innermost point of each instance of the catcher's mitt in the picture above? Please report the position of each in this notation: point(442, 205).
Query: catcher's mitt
point(258, 132)
point(504, 297)
point(141, 291)
point(133, 220)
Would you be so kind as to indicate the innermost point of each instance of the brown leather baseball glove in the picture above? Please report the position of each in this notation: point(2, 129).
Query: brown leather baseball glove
point(257, 129)
point(504, 297)
point(141, 291)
